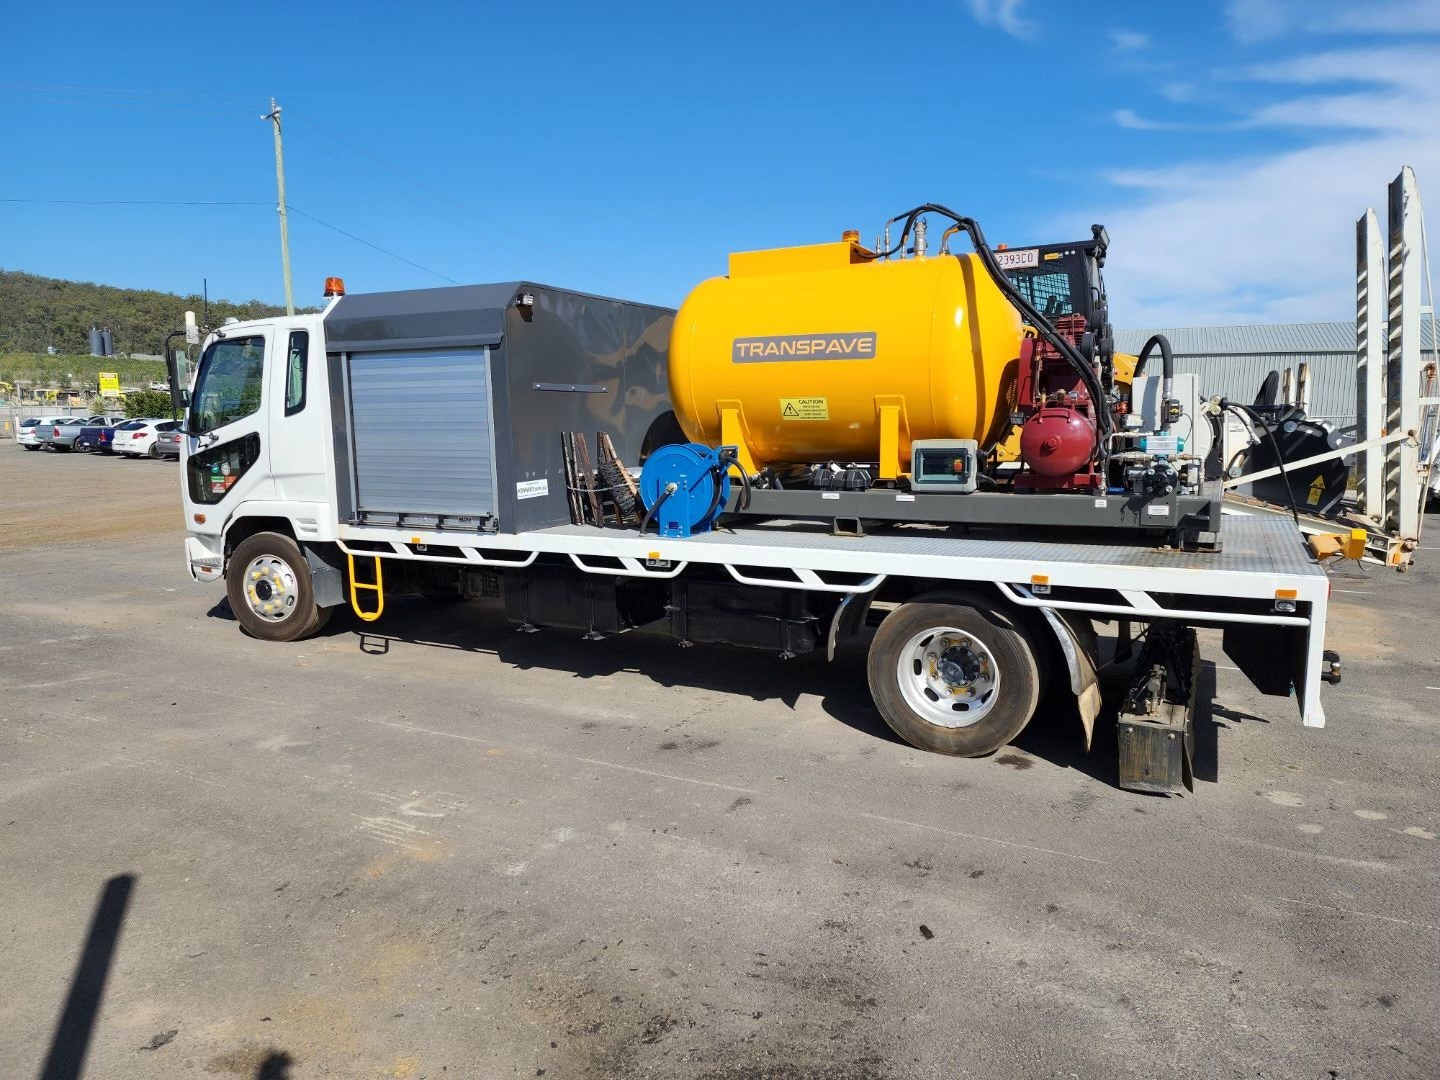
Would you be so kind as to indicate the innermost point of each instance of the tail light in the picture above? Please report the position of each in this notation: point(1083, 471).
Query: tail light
point(140, 435)
point(55, 433)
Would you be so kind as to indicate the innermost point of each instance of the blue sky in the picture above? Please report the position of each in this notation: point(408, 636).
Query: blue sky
point(627, 148)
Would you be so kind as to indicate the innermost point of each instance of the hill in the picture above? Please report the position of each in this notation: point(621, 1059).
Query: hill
point(36, 312)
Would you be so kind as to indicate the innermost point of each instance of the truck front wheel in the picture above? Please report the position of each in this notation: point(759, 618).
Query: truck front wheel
point(952, 678)
point(269, 586)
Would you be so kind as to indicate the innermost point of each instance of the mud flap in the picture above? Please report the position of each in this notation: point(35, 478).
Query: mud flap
point(1079, 646)
point(326, 580)
point(1271, 657)
point(1156, 731)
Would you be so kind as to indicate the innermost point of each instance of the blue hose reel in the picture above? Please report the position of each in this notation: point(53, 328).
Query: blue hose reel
point(685, 487)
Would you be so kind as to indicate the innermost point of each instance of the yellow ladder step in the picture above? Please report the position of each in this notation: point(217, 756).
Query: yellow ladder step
point(377, 587)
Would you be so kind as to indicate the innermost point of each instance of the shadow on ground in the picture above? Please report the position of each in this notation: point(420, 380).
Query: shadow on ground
point(1055, 735)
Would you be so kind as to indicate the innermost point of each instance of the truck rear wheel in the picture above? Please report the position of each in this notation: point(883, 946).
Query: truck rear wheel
point(952, 678)
point(270, 590)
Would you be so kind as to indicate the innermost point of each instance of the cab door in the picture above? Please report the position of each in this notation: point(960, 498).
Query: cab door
point(300, 436)
point(227, 451)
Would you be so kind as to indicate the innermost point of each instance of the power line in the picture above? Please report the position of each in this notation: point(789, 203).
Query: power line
point(216, 202)
point(71, 88)
point(134, 202)
point(522, 242)
point(335, 228)
point(135, 106)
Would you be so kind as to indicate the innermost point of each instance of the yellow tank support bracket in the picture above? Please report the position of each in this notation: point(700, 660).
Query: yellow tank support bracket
point(894, 434)
point(377, 587)
point(733, 432)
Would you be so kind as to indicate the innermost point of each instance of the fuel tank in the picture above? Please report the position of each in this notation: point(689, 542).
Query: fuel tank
point(823, 353)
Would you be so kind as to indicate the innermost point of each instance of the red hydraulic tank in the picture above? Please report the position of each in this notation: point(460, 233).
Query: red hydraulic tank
point(1058, 441)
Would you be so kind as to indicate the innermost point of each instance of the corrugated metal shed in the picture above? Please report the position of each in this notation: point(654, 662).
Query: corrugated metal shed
point(1234, 360)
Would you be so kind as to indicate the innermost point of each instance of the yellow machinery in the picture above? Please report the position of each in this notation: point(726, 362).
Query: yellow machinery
point(823, 353)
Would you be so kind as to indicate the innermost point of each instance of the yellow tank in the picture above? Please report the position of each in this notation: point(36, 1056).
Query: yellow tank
point(820, 353)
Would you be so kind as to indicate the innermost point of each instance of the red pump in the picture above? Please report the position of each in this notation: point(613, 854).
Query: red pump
point(1059, 439)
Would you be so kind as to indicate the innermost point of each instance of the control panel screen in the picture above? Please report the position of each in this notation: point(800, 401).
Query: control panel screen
point(944, 467)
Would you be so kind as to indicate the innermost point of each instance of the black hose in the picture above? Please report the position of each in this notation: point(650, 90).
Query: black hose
point(1167, 374)
point(727, 458)
point(1167, 358)
point(1246, 410)
point(665, 493)
point(733, 460)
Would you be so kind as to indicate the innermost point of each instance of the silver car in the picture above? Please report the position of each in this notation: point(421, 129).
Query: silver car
point(168, 443)
point(46, 434)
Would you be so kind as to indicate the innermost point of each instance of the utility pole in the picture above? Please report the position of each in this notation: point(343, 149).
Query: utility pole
point(274, 117)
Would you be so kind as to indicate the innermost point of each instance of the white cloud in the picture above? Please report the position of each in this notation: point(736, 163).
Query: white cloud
point(1129, 118)
point(1180, 92)
point(1270, 237)
point(1252, 21)
point(1129, 40)
point(1002, 14)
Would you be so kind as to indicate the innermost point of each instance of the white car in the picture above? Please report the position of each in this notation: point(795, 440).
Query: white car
point(25, 434)
point(136, 438)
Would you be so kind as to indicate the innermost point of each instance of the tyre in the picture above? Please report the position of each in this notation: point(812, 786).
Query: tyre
point(952, 678)
point(270, 591)
point(29, 447)
point(153, 452)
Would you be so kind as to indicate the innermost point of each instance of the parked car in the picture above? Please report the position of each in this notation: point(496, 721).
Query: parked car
point(97, 433)
point(25, 433)
point(95, 437)
point(32, 428)
point(67, 436)
point(136, 438)
point(168, 443)
point(45, 434)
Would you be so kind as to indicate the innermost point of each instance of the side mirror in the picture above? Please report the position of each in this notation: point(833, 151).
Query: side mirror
point(179, 395)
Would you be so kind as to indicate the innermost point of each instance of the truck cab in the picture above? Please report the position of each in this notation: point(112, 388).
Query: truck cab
point(258, 448)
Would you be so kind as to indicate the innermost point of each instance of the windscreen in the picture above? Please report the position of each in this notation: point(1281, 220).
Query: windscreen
point(228, 386)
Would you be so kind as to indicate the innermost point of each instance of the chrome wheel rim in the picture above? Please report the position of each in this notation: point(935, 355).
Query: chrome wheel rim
point(271, 588)
point(948, 676)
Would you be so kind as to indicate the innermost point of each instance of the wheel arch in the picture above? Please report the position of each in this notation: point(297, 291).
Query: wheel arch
point(241, 528)
point(1050, 655)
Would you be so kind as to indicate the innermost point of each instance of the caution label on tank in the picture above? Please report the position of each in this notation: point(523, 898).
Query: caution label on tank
point(804, 408)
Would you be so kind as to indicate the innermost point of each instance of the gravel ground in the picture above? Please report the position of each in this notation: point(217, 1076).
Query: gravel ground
point(434, 847)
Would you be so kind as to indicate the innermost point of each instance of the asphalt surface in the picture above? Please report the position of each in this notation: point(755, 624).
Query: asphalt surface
point(434, 847)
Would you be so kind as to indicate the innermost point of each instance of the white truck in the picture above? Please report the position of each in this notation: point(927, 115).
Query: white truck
point(306, 487)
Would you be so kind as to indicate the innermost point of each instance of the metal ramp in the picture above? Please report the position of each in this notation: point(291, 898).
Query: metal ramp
point(1397, 393)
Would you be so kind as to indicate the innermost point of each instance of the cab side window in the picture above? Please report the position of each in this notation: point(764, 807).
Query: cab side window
point(295, 363)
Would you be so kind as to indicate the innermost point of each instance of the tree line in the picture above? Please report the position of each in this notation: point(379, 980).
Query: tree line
point(37, 313)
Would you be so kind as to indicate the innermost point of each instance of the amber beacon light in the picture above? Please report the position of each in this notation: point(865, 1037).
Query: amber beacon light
point(334, 286)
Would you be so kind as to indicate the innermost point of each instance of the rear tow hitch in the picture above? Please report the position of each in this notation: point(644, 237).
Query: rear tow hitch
point(1331, 674)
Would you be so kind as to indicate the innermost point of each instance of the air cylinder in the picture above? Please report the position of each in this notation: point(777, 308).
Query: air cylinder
point(823, 353)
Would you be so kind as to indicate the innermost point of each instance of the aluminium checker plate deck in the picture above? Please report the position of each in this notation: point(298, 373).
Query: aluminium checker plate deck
point(1260, 555)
